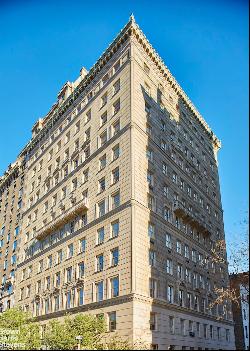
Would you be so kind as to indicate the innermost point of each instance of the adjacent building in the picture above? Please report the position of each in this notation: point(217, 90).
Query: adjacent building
point(122, 205)
point(240, 283)
point(11, 194)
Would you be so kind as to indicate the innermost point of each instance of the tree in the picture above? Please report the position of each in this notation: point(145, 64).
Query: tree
point(61, 335)
point(238, 262)
point(26, 330)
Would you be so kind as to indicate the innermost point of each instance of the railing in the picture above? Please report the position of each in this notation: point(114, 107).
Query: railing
point(64, 217)
point(190, 217)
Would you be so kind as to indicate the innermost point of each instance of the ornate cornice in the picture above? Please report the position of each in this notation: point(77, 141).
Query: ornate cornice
point(131, 29)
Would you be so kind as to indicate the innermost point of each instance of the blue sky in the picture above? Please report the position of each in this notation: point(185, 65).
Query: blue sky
point(204, 43)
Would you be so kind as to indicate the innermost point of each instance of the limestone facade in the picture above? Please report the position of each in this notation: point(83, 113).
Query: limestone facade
point(122, 205)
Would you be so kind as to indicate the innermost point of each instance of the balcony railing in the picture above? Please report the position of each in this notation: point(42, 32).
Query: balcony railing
point(190, 217)
point(63, 218)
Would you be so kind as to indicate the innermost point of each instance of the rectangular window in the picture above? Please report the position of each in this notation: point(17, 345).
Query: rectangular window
point(168, 241)
point(116, 152)
point(115, 175)
point(171, 325)
point(81, 297)
point(116, 200)
point(114, 229)
point(169, 266)
point(102, 162)
point(152, 258)
point(114, 257)
point(99, 291)
point(101, 208)
point(152, 288)
point(99, 263)
point(114, 285)
point(100, 236)
point(112, 321)
point(116, 107)
point(152, 321)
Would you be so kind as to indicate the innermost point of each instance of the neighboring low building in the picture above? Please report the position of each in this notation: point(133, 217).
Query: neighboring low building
point(240, 282)
point(11, 195)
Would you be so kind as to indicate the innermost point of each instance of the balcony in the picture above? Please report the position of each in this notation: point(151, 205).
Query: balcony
point(62, 218)
point(191, 218)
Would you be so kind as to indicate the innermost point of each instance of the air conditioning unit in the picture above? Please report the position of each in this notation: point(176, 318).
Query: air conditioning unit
point(192, 334)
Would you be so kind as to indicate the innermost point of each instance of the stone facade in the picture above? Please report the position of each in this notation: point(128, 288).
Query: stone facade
point(122, 205)
point(11, 194)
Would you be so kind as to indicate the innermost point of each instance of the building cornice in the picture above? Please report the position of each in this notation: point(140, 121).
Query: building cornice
point(131, 29)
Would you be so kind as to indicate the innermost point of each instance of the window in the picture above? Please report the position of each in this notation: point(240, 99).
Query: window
point(49, 262)
point(116, 127)
point(152, 321)
point(168, 241)
point(69, 274)
point(81, 270)
point(189, 301)
point(104, 118)
point(112, 321)
point(196, 303)
point(178, 247)
point(114, 257)
point(183, 329)
point(57, 279)
point(152, 288)
point(181, 298)
point(165, 190)
point(104, 99)
point(114, 229)
point(47, 282)
point(149, 154)
point(169, 266)
point(40, 266)
point(116, 106)
point(99, 291)
point(99, 263)
point(116, 200)
point(164, 168)
point(70, 250)
point(152, 258)
point(114, 285)
point(100, 236)
point(180, 271)
point(101, 208)
point(115, 175)
point(151, 231)
point(68, 299)
point(116, 87)
point(186, 251)
point(102, 184)
point(116, 152)
point(151, 202)
point(57, 303)
point(150, 179)
point(171, 325)
point(166, 213)
point(88, 116)
point(103, 138)
point(59, 256)
point(102, 162)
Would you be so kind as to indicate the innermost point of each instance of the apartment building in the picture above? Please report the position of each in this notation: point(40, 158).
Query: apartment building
point(240, 283)
point(122, 205)
point(11, 193)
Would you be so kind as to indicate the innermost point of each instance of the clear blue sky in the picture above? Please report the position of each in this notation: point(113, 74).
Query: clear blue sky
point(204, 43)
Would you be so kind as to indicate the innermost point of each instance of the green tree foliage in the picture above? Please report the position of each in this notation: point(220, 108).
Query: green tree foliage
point(27, 330)
point(62, 335)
